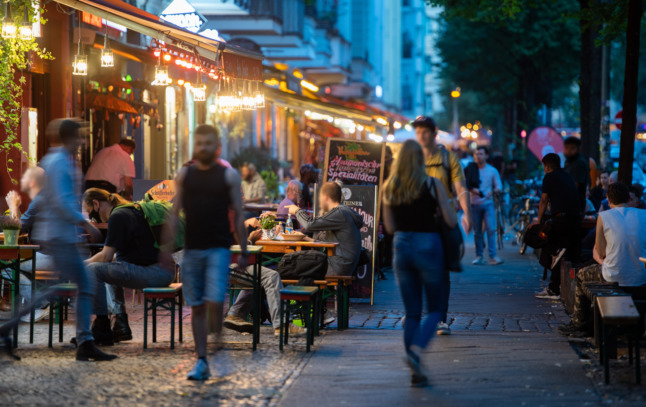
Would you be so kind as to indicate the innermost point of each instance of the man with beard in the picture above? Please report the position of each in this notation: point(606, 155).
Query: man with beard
point(206, 192)
point(254, 188)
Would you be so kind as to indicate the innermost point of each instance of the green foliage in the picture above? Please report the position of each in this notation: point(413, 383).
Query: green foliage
point(512, 55)
point(271, 181)
point(15, 57)
point(268, 222)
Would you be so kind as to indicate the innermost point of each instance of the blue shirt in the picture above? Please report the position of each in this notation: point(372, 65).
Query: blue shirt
point(59, 219)
point(29, 217)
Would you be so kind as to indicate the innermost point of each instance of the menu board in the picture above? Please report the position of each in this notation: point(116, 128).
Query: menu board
point(363, 199)
point(354, 162)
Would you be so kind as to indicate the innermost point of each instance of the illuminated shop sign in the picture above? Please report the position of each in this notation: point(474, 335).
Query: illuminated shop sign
point(183, 14)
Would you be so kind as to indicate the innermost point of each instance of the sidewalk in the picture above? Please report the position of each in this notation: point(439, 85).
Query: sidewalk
point(504, 351)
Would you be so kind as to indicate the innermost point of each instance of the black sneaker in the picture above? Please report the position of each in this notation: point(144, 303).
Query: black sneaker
point(418, 380)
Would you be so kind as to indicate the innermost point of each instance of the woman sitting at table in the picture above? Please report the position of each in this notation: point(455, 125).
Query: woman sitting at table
point(129, 259)
point(293, 197)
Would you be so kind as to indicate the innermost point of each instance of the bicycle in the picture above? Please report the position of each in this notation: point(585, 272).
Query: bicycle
point(525, 209)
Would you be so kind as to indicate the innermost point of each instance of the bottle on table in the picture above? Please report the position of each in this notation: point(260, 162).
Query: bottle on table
point(289, 227)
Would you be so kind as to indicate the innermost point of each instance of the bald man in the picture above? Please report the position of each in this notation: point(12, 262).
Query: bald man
point(31, 183)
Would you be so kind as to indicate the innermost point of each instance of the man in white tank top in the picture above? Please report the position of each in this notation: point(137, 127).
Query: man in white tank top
point(617, 250)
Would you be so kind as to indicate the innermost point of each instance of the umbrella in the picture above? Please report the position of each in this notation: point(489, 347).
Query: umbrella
point(106, 101)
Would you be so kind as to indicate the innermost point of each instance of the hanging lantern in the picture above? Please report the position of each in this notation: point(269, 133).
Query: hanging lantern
point(9, 29)
point(161, 76)
point(80, 60)
point(80, 65)
point(107, 56)
point(26, 30)
point(259, 97)
point(199, 93)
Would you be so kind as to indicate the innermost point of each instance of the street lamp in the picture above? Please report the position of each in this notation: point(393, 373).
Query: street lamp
point(455, 94)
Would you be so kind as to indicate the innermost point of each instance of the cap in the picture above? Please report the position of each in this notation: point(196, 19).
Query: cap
point(424, 121)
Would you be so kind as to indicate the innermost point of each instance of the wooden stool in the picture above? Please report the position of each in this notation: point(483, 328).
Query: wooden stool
point(299, 294)
point(618, 312)
point(166, 298)
point(59, 301)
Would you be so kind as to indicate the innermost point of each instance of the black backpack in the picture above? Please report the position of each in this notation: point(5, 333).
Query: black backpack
point(304, 266)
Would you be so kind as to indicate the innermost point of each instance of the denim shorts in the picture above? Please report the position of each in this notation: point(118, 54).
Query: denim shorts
point(205, 275)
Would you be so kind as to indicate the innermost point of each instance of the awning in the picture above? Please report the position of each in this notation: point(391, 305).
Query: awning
point(304, 103)
point(241, 63)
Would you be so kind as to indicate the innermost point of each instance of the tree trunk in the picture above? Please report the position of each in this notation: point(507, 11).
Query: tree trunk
point(631, 76)
point(590, 86)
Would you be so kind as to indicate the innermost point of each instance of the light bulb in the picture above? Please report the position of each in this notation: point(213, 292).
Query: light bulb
point(26, 32)
point(107, 58)
point(9, 29)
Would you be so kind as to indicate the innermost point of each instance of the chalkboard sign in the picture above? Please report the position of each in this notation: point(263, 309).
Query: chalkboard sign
point(363, 199)
point(354, 162)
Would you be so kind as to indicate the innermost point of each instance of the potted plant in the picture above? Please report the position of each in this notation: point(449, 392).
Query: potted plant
point(267, 223)
point(11, 228)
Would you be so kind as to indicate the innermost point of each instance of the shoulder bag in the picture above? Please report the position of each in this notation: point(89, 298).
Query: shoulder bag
point(452, 239)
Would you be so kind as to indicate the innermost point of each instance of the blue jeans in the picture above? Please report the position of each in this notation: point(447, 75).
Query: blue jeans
point(484, 220)
point(205, 275)
point(419, 268)
point(120, 275)
point(68, 261)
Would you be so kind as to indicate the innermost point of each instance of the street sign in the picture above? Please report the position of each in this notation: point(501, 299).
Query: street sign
point(183, 14)
point(618, 119)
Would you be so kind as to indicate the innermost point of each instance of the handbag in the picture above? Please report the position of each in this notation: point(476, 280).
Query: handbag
point(305, 266)
point(452, 239)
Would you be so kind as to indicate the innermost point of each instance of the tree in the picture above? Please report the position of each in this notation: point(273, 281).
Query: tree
point(512, 64)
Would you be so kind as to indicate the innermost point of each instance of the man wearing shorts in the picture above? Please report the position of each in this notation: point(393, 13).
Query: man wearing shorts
point(206, 192)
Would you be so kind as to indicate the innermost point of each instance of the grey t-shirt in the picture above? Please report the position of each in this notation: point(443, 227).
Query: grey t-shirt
point(489, 180)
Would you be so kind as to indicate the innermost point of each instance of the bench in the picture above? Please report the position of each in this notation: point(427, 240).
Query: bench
point(166, 298)
point(618, 312)
point(301, 295)
point(339, 288)
point(594, 290)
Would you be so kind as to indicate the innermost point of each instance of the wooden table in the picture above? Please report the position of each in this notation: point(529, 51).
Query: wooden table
point(284, 247)
point(643, 260)
point(12, 256)
point(256, 257)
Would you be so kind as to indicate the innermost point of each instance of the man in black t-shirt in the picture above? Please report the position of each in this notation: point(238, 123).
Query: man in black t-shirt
point(129, 259)
point(560, 193)
point(577, 166)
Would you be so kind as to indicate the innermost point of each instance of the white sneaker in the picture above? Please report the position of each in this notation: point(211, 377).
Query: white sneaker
point(200, 371)
point(443, 329)
point(478, 261)
point(547, 294)
point(328, 318)
point(39, 315)
point(496, 261)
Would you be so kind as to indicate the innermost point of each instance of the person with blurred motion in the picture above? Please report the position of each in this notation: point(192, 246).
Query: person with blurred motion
point(57, 228)
point(577, 166)
point(206, 192)
point(112, 169)
point(411, 200)
point(561, 194)
point(482, 206)
point(445, 166)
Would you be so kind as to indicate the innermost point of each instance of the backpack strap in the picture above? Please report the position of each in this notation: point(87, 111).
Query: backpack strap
point(446, 164)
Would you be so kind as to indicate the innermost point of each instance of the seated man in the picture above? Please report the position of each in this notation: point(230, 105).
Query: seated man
point(131, 240)
point(271, 283)
point(31, 183)
point(338, 224)
point(620, 242)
